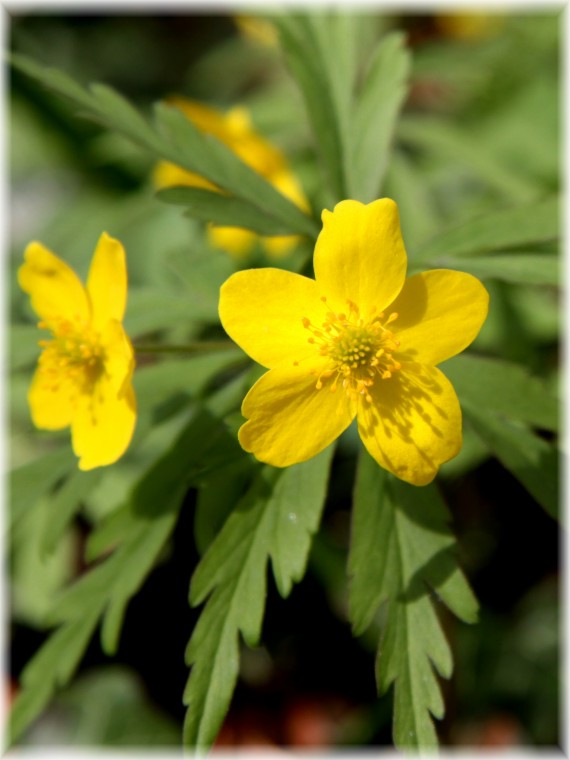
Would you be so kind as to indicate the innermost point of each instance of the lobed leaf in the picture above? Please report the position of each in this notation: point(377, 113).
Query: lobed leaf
point(523, 268)
point(377, 109)
point(176, 139)
point(224, 210)
point(522, 225)
point(147, 521)
point(533, 461)
point(306, 51)
point(275, 519)
point(401, 546)
point(32, 480)
point(503, 388)
point(451, 144)
point(48, 670)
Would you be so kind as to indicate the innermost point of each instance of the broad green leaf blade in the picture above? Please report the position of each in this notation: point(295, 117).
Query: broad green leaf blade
point(400, 547)
point(520, 268)
point(223, 210)
point(175, 139)
point(451, 144)
point(532, 460)
point(523, 225)
point(377, 109)
point(307, 55)
point(269, 522)
point(503, 388)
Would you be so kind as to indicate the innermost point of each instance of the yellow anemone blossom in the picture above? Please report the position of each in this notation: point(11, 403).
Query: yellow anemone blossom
point(360, 340)
point(235, 130)
point(84, 373)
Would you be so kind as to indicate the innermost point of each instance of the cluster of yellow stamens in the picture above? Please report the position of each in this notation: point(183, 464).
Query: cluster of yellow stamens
point(73, 355)
point(359, 349)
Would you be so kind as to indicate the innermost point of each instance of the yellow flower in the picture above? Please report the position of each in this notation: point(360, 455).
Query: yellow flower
point(360, 340)
point(235, 130)
point(257, 30)
point(83, 378)
point(469, 26)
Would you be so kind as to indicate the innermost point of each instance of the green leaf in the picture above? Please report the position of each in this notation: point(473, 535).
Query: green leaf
point(533, 461)
point(454, 145)
point(523, 268)
point(377, 109)
point(316, 64)
point(149, 310)
point(105, 590)
point(527, 225)
point(65, 503)
point(503, 388)
point(34, 479)
point(23, 348)
point(203, 154)
point(49, 669)
point(401, 546)
point(276, 518)
point(224, 210)
point(175, 139)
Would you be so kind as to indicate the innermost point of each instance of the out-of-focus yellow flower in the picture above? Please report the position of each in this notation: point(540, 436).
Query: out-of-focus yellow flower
point(469, 26)
point(84, 372)
point(235, 130)
point(358, 340)
point(257, 30)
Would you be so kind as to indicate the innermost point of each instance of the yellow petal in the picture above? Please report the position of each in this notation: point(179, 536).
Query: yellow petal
point(278, 246)
point(286, 182)
point(262, 310)
point(119, 354)
point(413, 424)
point(210, 120)
point(169, 175)
point(103, 425)
point(360, 255)
point(236, 241)
point(50, 398)
point(440, 313)
point(56, 292)
point(290, 421)
point(107, 281)
point(104, 421)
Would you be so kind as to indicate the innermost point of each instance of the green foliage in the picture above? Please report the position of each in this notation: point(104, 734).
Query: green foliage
point(503, 388)
point(531, 459)
point(176, 139)
point(475, 192)
point(352, 129)
point(401, 547)
point(144, 525)
point(513, 228)
point(222, 210)
point(274, 520)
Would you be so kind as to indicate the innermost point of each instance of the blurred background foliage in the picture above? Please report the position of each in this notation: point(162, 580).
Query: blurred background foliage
point(479, 132)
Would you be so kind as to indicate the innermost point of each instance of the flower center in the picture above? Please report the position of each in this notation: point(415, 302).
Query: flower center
point(74, 354)
point(359, 350)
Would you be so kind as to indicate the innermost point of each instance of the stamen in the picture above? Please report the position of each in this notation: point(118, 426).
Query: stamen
point(357, 350)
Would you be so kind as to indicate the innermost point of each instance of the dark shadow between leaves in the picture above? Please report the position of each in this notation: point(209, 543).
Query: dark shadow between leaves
point(204, 445)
